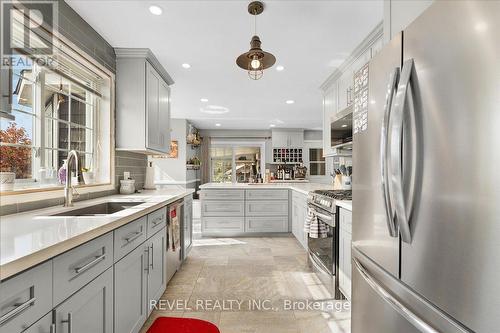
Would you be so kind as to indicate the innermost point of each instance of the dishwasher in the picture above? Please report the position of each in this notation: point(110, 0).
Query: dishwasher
point(174, 224)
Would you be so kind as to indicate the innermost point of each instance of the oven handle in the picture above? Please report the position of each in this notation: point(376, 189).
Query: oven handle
point(326, 218)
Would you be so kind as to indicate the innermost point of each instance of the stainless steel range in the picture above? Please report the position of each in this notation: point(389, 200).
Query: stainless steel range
point(323, 252)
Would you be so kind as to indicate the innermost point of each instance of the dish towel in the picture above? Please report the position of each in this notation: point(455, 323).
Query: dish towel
point(314, 227)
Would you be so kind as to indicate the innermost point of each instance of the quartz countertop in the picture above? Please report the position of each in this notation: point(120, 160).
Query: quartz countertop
point(303, 188)
point(30, 238)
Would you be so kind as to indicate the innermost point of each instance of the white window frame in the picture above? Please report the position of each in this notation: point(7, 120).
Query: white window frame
point(104, 129)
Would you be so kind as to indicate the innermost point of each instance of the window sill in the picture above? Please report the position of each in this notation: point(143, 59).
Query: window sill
point(35, 194)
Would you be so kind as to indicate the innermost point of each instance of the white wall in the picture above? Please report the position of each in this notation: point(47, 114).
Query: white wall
point(398, 14)
point(173, 169)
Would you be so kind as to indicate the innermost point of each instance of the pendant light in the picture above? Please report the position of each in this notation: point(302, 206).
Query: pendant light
point(255, 60)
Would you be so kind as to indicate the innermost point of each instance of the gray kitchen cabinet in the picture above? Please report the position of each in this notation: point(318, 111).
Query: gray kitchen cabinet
point(77, 267)
point(225, 194)
point(266, 194)
point(130, 291)
point(157, 282)
point(223, 208)
point(128, 237)
point(142, 102)
point(329, 111)
point(187, 228)
point(90, 309)
point(266, 208)
point(266, 224)
point(157, 220)
point(43, 325)
point(299, 214)
point(223, 225)
point(345, 240)
point(286, 138)
point(25, 298)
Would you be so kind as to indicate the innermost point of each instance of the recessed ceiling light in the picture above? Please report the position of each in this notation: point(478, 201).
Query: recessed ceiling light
point(204, 100)
point(186, 66)
point(272, 125)
point(218, 125)
point(344, 125)
point(214, 109)
point(290, 101)
point(155, 10)
point(279, 68)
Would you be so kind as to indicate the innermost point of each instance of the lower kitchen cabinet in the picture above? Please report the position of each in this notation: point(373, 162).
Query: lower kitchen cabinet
point(299, 214)
point(90, 309)
point(44, 325)
point(157, 281)
point(131, 291)
point(345, 240)
point(187, 227)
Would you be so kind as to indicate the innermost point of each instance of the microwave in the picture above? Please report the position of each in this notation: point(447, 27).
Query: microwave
point(341, 130)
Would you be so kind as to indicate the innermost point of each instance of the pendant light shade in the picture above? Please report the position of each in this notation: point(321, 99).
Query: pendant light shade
point(255, 60)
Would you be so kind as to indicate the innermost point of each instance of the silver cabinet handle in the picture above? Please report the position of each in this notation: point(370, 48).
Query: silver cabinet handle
point(147, 259)
point(133, 237)
point(151, 264)
point(392, 301)
point(157, 220)
point(19, 307)
point(69, 322)
point(87, 266)
point(397, 121)
point(391, 88)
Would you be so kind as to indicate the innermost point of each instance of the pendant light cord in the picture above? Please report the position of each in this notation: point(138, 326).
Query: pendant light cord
point(255, 21)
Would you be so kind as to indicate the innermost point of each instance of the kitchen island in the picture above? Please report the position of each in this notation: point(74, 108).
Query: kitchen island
point(239, 209)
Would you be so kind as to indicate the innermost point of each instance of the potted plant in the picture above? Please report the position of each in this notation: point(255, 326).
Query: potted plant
point(14, 160)
point(88, 176)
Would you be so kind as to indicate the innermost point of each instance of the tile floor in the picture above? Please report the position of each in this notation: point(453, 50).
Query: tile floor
point(246, 285)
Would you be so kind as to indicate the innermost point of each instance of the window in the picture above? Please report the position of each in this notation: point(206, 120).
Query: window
point(235, 163)
point(316, 162)
point(53, 109)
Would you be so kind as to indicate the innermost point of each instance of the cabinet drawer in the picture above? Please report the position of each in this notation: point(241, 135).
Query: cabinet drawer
point(267, 194)
point(223, 208)
point(156, 221)
point(266, 224)
point(266, 208)
point(76, 268)
point(43, 325)
point(25, 298)
point(128, 237)
point(223, 224)
point(226, 194)
point(299, 196)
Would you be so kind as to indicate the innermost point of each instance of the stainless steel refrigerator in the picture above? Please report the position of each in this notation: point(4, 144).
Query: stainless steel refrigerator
point(426, 191)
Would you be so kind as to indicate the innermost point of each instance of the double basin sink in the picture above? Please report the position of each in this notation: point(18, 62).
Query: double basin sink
point(102, 209)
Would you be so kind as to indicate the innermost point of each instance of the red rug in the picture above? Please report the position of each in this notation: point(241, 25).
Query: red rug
point(182, 325)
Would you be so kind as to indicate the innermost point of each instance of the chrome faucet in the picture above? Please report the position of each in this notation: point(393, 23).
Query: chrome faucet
point(68, 187)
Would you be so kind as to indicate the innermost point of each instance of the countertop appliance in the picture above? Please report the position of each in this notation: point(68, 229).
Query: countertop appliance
point(174, 225)
point(323, 252)
point(426, 231)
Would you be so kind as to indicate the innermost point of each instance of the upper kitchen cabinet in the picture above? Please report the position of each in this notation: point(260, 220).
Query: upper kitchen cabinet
point(142, 102)
point(338, 89)
point(284, 138)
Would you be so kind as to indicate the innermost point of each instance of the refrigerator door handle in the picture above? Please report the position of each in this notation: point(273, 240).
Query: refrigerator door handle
point(399, 307)
point(391, 88)
point(397, 121)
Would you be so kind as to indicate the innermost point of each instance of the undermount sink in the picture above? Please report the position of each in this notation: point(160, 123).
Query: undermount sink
point(105, 208)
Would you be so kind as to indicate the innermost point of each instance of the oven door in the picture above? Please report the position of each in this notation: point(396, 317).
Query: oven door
point(322, 250)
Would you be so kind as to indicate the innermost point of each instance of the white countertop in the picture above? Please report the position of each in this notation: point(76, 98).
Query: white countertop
point(30, 238)
point(303, 188)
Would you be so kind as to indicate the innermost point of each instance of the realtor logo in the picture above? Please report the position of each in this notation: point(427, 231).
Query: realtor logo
point(27, 27)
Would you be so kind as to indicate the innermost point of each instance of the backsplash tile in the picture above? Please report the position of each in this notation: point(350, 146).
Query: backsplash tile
point(135, 163)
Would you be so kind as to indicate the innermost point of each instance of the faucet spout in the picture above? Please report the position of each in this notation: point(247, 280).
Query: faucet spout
point(68, 187)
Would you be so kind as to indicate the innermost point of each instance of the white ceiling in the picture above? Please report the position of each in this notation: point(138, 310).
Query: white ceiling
point(309, 38)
